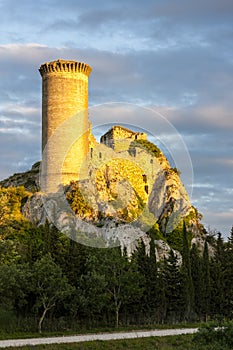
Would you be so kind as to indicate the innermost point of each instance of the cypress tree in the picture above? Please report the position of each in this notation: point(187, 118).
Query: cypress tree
point(147, 266)
point(230, 239)
point(151, 277)
point(206, 282)
point(228, 276)
point(173, 288)
point(217, 280)
point(197, 278)
point(188, 291)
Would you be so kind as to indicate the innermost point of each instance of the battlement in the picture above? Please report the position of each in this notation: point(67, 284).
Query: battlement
point(63, 66)
point(64, 95)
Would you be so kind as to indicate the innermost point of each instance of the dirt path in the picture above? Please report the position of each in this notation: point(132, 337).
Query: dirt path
point(100, 336)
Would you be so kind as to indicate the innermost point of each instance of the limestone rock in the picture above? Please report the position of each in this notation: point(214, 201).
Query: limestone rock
point(28, 179)
point(125, 189)
point(162, 250)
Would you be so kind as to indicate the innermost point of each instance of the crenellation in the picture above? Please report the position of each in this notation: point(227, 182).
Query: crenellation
point(65, 94)
point(61, 66)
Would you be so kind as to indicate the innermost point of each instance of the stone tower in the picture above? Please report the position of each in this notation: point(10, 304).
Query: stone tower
point(64, 110)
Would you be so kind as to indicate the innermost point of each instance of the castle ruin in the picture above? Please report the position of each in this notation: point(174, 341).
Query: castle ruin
point(64, 95)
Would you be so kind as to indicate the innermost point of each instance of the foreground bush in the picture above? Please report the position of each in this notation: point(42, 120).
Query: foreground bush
point(212, 336)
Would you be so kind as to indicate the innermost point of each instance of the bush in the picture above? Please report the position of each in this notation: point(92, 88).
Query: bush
point(212, 336)
point(146, 145)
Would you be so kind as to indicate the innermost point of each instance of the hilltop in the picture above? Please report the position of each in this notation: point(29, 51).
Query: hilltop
point(131, 192)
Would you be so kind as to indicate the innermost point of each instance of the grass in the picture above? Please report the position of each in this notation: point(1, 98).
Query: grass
point(181, 342)
point(23, 335)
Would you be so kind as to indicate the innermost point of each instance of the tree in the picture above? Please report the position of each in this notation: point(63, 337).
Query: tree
point(230, 239)
point(4, 208)
point(187, 276)
point(206, 281)
point(197, 278)
point(147, 266)
point(92, 294)
point(228, 276)
point(50, 286)
point(123, 281)
point(14, 285)
point(76, 261)
point(217, 278)
point(11, 199)
point(173, 288)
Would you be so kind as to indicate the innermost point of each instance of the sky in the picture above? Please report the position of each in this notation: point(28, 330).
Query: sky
point(173, 56)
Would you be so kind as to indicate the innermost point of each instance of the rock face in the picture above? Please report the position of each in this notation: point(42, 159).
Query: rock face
point(28, 179)
point(127, 188)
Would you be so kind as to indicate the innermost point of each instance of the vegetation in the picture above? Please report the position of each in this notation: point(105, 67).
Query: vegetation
point(164, 343)
point(77, 202)
point(214, 336)
point(146, 145)
point(176, 171)
point(51, 283)
point(209, 337)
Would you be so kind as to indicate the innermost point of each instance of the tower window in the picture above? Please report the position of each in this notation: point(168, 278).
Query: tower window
point(146, 189)
point(144, 177)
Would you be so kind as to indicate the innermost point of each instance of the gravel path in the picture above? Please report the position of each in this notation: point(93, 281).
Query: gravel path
point(100, 336)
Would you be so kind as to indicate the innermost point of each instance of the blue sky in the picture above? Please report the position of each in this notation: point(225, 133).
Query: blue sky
point(175, 56)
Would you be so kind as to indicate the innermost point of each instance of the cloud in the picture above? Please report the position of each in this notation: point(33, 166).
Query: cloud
point(174, 56)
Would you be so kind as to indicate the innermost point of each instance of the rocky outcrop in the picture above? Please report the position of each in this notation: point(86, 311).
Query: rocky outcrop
point(28, 179)
point(122, 194)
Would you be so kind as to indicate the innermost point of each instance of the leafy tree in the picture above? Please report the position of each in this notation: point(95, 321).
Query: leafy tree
point(22, 242)
point(211, 337)
point(92, 293)
point(56, 244)
point(50, 286)
point(4, 207)
point(14, 285)
point(11, 200)
point(122, 278)
point(76, 261)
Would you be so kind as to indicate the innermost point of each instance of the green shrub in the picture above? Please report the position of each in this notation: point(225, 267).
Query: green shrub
point(211, 336)
point(146, 145)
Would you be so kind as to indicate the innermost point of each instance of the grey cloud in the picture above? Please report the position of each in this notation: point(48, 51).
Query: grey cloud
point(183, 8)
point(173, 54)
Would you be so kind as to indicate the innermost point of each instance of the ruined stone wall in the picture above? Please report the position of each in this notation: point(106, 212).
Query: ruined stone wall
point(119, 138)
point(64, 95)
point(119, 182)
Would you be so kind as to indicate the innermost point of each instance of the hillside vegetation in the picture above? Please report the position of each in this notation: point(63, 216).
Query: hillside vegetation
point(49, 282)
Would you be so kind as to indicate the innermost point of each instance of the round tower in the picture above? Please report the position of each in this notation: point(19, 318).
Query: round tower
point(64, 98)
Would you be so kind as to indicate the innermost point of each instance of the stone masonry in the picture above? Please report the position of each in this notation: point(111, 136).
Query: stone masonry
point(64, 109)
point(119, 138)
